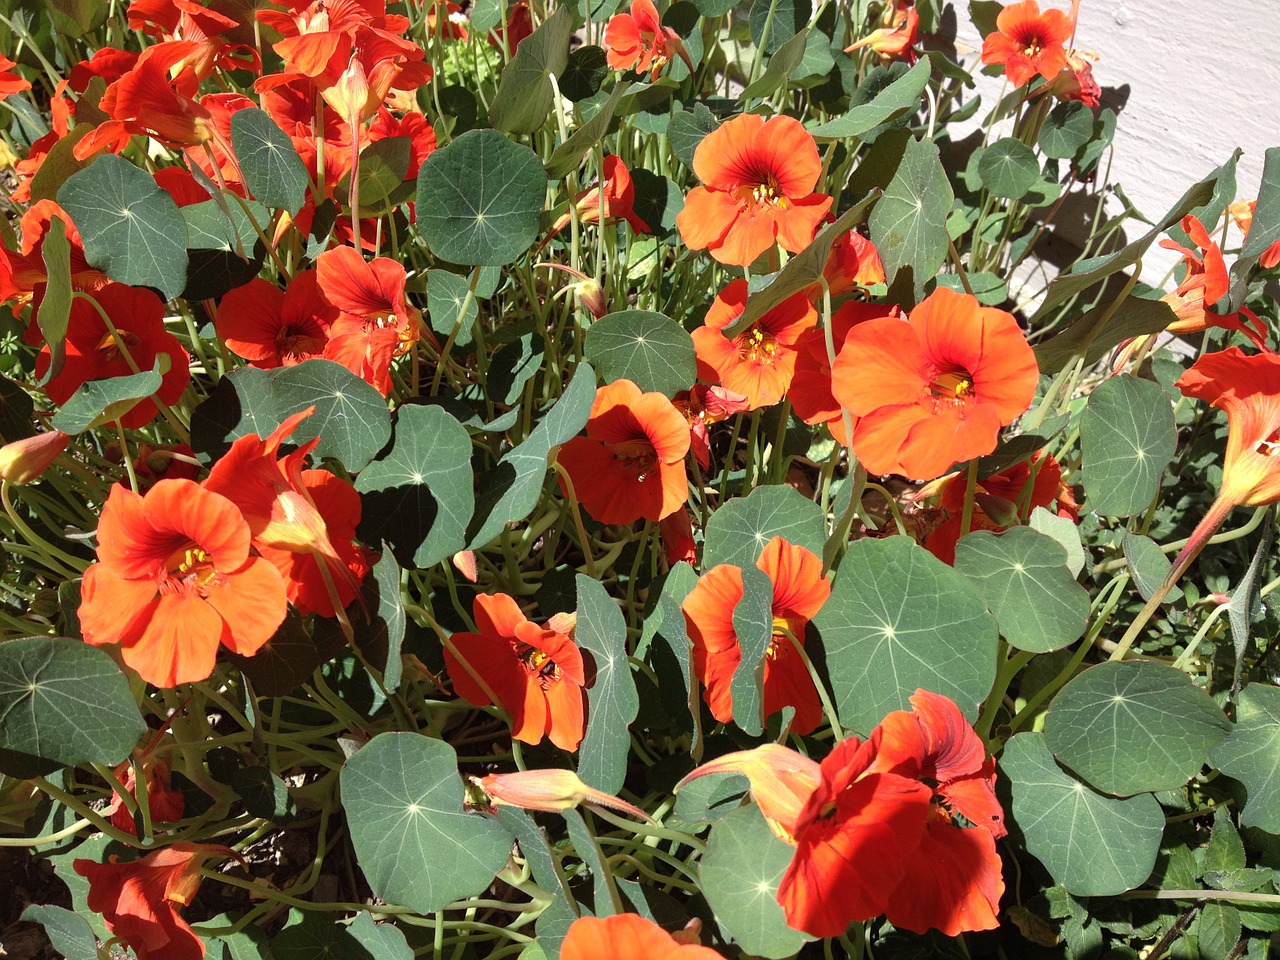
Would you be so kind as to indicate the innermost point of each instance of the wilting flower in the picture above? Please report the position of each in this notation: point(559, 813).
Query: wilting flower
point(93, 352)
point(936, 389)
point(535, 673)
point(552, 791)
point(22, 461)
point(875, 824)
point(1242, 213)
point(676, 533)
point(302, 521)
point(758, 177)
point(164, 804)
point(174, 581)
point(759, 362)
point(638, 40)
point(140, 899)
point(896, 40)
point(271, 327)
point(1000, 501)
point(1028, 42)
point(630, 465)
point(627, 936)
point(376, 323)
point(703, 406)
point(799, 591)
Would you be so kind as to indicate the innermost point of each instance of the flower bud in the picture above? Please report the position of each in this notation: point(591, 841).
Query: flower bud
point(24, 460)
point(549, 790)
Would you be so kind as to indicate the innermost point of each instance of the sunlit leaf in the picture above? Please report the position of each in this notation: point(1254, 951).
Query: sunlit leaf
point(649, 349)
point(273, 171)
point(612, 700)
point(524, 93)
point(908, 224)
point(740, 529)
point(1127, 437)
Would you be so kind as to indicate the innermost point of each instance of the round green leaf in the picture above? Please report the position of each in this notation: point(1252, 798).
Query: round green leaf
point(69, 933)
point(1127, 438)
point(1066, 129)
point(651, 350)
point(351, 417)
point(739, 530)
point(413, 840)
point(740, 873)
point(897, 620)
point(908, 224)
point(1133, 726)
point(479, 199)
point(65, 701)
point(612, 699)
point(1095, 846)
point(1251, 754)
point(131, 229)
point(273, 171)
point(419, 497)
point(1008, 168)
point(98, 401)
point(1023, 576)
point(584, 74)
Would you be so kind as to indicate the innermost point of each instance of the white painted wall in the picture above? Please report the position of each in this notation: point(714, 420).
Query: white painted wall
point(1203, 78)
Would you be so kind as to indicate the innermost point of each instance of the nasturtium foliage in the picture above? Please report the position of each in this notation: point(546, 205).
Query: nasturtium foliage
point(132, 230)
point(479, 199)
point(1133, 726)
point(1148, 565)
point(612, 699)
point(1024, 579)
point(740, 530)
point(447, 295)
point(1008, 168)
point(753, 626)
point(740, 873)
point(273, 172)
point(649, 349)
point(55, 309)
point(908, 224)
point(414, 842)
point(68, 932)
point(65, 701)
point(100, 401)
point(1251, 754)
point(1093, 845)
point(899, 620)
point(1127, 436)
point(419, 496)
point(524, 95)
point(1066, 128)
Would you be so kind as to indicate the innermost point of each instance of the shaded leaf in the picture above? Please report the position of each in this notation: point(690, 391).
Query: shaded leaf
point(612, 699)
point(568, 156)
point(1098, 331)
point(1251, 754)
point(901, 95)
point(753, 626)
point(69, 933)
point(524, 92)
point(55, 309)
point(1008, 168)
point(101, 401)
point(908, 224)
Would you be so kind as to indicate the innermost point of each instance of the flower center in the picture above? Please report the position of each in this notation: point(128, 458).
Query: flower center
point(757, 346)
point(296, 344)
point(189, 570)
point(1270, 445)
point(109, 347)
point(1031, 42)
point(540, 665)
point(779, 641)
point(636, 457)
point(953, 388)
point(766, 192)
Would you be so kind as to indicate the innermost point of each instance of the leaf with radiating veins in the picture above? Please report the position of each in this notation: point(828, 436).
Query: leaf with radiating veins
point(649, 349)
point(1251, 754)
point(612, 699)
point(908, 224)
point(273, 170)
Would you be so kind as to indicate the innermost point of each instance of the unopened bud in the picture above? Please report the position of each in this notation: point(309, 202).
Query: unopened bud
point(24, 460)
point(549, 790)
point(591, 296)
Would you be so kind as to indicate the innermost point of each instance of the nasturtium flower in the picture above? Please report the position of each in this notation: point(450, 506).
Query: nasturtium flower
point(535, 673)
point(1242, 212)
point(23, 271)
point(139, 899)
point(638, 40)
point(11, 82)
point(174, 581)
point(799, 591)
point(630, 465)
point(94, 352)
point(271, 327)
point(164, 804)
point(703, 406)
point(627, 936)
point(22, 461)
point(758, 178)
point(935, 389)
point(759, 362)
point(1028, 42)
point(896, 40)
point(854, 262)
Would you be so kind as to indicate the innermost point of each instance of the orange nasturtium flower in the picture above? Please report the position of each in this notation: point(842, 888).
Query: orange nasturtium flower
point(271, 327)
point(758, 178)
point(10, 82)
point(799, 591)
point(628, 936)
point(174, 581)
point(630, 465)
point(761, 360)
point(1242, 213)
point(874, 825)
point(638, 40)
point(936, 389)
point(140, 899)
point(897, 39)
point(1028, 42)
point(534, 673)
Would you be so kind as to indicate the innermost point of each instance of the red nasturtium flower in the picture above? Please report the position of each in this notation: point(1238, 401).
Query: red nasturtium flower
point(854, 262)
point(139, 899)
point(758, 177)
point(165, 804)
point(10, 82)
point(630, 465)
point(759, 362)
point(271, 327)
point(874, 825)
point(628, 936)
point(799, 591)
point(1204, 284)
point(638, 40)
point(897, 39)
point(1028, 42)
point(551, 791)
point(936, 389)
point(535, 673)
point(93, 352)
point(174, 581)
